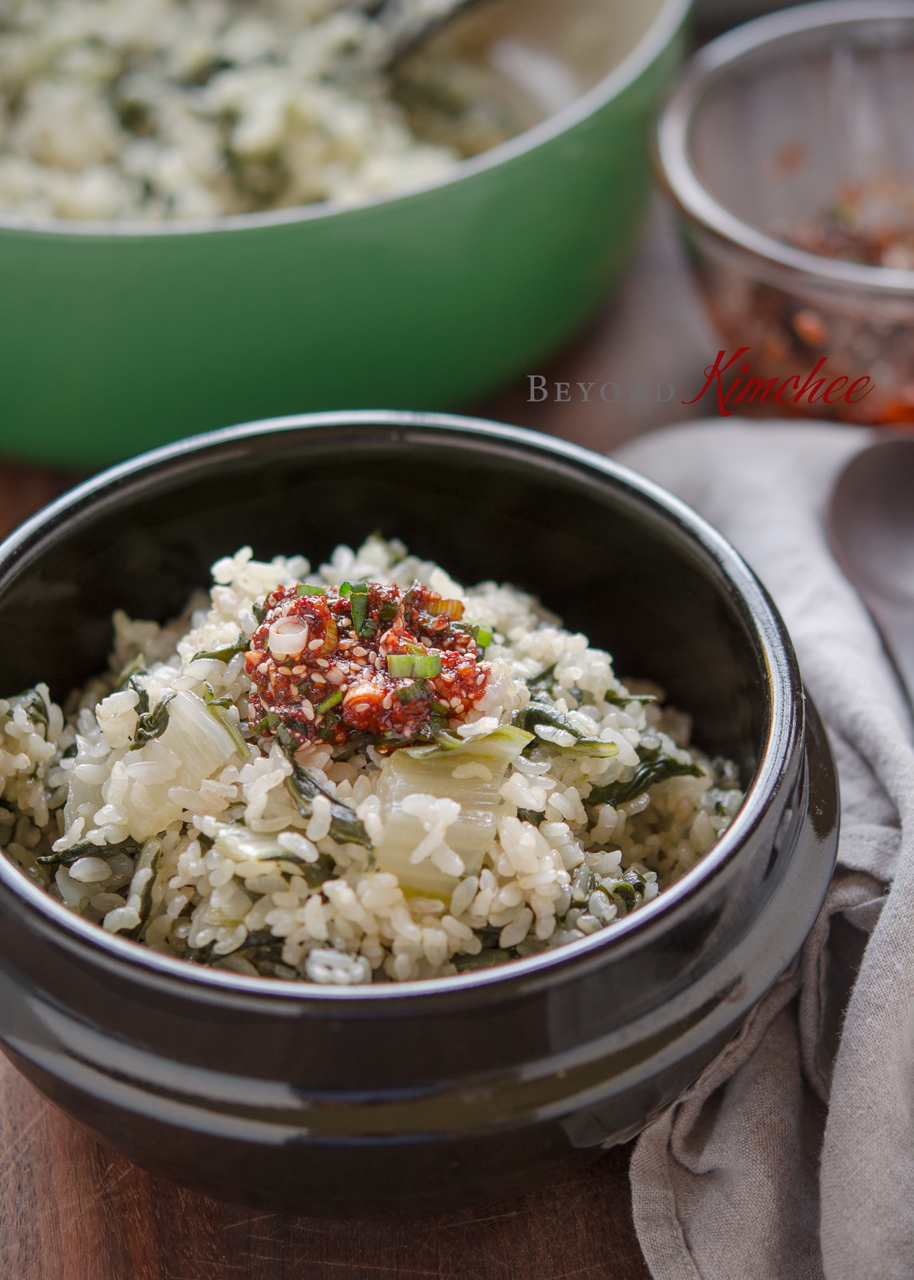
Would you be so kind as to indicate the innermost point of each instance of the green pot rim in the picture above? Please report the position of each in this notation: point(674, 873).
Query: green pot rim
point(659, 35)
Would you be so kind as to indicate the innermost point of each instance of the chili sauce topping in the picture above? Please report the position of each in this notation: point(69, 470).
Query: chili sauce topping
point(364, 661)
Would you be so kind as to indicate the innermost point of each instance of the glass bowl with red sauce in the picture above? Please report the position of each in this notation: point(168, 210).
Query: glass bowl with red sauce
point(788, 152)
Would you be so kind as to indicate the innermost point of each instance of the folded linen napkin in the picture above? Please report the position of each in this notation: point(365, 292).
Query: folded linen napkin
point(793, 1155)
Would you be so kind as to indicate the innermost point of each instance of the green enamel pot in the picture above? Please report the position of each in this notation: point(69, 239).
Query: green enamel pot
point(115, 338)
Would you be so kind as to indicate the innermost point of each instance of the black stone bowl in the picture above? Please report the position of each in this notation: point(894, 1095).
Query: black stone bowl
point(399, 1097)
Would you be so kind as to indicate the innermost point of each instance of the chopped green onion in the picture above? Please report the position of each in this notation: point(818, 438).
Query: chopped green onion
point(358, 599)
point(420, 665)
point(452, 608)
point(484, 637)
point(329, 702)
point(309, 589)
point(427, 665)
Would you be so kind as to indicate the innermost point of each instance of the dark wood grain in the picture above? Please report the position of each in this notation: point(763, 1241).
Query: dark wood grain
point(73, 1211)
point(70, 1210)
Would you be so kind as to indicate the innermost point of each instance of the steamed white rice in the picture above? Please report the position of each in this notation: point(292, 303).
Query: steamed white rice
point(199, 853)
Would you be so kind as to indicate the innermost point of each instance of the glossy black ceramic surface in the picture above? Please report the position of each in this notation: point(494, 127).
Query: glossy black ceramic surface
point(398, 1097)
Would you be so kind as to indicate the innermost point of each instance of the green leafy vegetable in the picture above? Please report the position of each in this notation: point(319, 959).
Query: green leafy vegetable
point(220, 710)
point(528, 815)
point(151, 862)
point(150, 724)
point(648, 773)
point(543, 682)
point(622, 700)
point(309, 589)
point(313, 873)
point(541, 711)
point(400, 664)
point(86, 850)
point(303, 786)
point(260, 613)
point(241, 645)
point(413, 692)
point(330, 721)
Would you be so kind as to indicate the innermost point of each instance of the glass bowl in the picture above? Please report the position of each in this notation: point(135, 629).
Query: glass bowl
point(788, 151)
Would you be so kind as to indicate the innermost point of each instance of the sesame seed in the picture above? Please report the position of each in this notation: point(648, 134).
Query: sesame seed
point(318, 678)
point(455, 702)
point(299, 671)
point(322, 662)
point(263, 668)
point(336, 676)
point(388, 702)
point(480, 678)
point(315, 644)
point(359, 651)
point(285, 671)
point(308, 709)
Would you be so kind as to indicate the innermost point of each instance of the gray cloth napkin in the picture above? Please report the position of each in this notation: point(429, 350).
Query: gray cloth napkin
point(793, 1154)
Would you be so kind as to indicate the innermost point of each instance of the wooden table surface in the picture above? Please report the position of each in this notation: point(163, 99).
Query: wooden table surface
point(70, 1210)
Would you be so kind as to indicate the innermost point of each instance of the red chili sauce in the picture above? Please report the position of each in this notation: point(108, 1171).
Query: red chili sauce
point(319, 664)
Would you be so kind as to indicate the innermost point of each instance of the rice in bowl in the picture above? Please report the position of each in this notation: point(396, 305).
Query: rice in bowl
point(358, 773)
